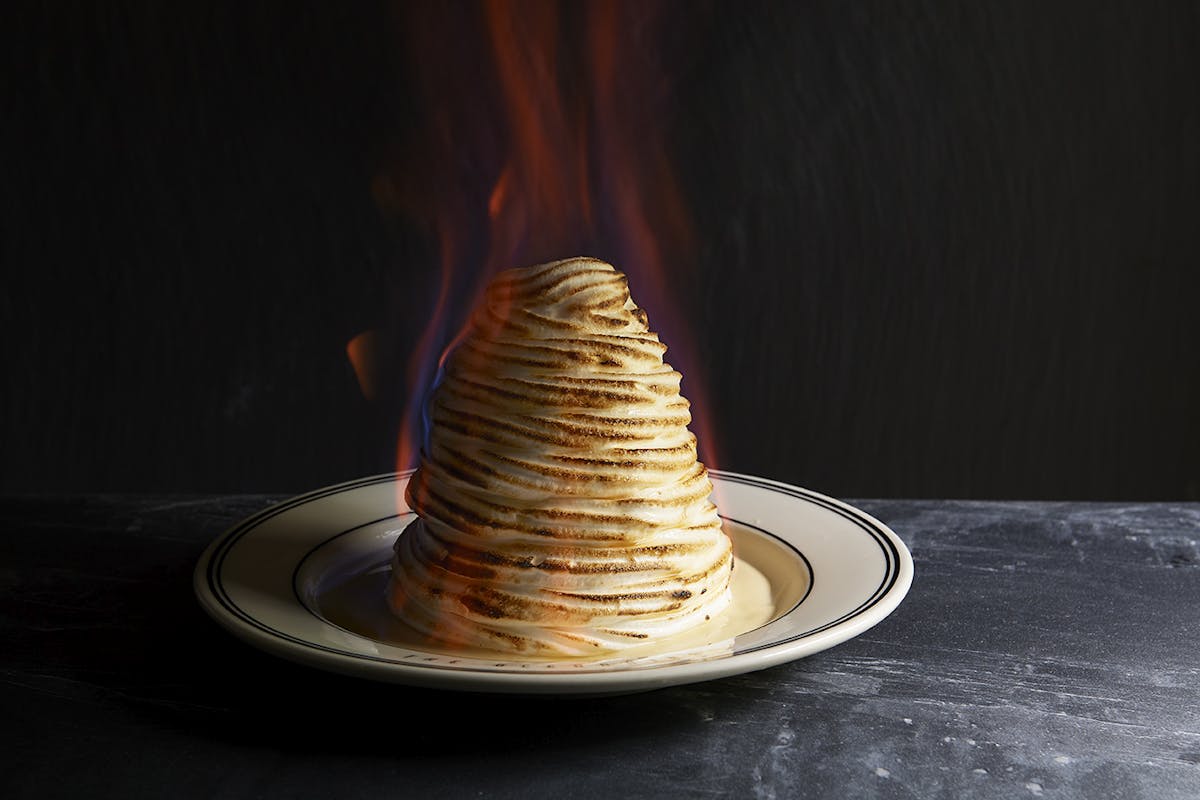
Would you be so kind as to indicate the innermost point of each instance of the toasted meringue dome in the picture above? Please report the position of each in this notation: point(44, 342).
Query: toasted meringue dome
point(561, 508)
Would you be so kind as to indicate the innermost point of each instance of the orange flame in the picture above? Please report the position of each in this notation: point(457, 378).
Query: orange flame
point(546, 140)
point(361, 352)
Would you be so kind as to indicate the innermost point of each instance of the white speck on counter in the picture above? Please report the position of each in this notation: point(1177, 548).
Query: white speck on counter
point(883, 773)
point(979, 771)
point(907, 721)
point(1034, 788)
point(1062, 760)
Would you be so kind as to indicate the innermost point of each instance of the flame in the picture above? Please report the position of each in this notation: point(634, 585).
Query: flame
point(545, 138)
point(361, 352)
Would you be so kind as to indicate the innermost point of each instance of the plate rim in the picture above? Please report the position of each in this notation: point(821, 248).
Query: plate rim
point(237, 621)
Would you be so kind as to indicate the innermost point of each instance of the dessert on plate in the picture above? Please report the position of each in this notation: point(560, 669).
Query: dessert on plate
point(561, 509)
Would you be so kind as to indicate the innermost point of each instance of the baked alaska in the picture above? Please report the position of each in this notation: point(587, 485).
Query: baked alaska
point(561, 509)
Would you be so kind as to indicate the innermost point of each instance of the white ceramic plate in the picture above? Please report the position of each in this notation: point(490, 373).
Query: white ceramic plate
point(304, 580)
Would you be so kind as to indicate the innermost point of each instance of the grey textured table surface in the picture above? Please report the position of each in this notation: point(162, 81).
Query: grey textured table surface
point(1045, 650)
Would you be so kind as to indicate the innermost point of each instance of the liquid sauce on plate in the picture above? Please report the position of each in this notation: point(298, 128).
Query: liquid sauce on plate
point(358, 605)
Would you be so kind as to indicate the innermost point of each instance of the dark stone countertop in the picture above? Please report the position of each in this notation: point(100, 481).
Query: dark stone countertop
point(1046, 650)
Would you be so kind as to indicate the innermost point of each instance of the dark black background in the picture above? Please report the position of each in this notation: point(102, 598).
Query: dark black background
point(941, 249)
